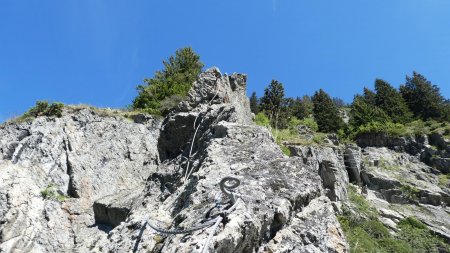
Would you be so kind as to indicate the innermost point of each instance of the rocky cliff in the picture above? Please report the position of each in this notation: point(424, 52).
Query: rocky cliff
point(89, 182)
point(96, 182)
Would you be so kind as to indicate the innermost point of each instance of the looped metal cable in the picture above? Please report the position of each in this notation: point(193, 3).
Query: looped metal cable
point(227, 184)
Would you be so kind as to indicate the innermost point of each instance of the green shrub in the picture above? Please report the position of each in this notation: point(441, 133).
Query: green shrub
point(444, 180)
point(285, 150)
point(375, 229)
point(55, 109)
point(361, 242)
point(412, 222)
point(169, 103)
point(389, 128)
point(319, 138)
point(39, 109)
point(309, 122)
point(370, 235)
point(43, 108)
point(360, 203)
point(293, 123)
point(421, 239)
point(419, 127)
point(262, 120)
point(392, 245)
point(51, 193)
point(409, 191)
point(180, 71)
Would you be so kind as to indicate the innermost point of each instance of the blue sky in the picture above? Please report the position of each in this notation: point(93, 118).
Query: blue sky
point(96, 52)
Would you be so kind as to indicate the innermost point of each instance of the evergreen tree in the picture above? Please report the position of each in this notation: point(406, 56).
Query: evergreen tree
point(423, 98)
point(285, 113)
point(254, 103)
point(272, 100)
point(391, 102)
point(369, 96)
point(170, 84)
point(446, 111)
point(302, 107)
point(363, 113)
point(326, 113)
point(339, 102)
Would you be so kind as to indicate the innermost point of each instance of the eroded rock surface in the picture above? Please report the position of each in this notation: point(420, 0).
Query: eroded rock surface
point(85, 156)
point(119, 176)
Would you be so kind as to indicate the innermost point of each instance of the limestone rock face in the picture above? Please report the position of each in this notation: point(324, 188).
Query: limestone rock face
point(85, 156)
point(402, 183)
point(120, 177)
point(329, 161)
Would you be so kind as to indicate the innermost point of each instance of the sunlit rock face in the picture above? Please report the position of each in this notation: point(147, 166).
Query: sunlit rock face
point(92, 182)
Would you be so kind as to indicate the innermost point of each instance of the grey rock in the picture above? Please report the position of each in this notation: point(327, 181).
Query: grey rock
point(400, 185)
point(402, 178)
point(114, 209)
point(352, 158)
point(330, 163)
point(87, 156)
point(442, 164)
point(121, 175)
point(313, 220)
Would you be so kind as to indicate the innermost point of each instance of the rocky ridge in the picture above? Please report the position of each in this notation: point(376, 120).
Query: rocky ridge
point(94, 182)
point(396, 183)
point(116, 176)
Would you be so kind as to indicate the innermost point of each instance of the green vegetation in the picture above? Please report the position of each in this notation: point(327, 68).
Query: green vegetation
point(254, 103)
point(302, 107)
point(326, 113)
point(424, 99)
point(428, 127)
point(360, 203)
point(388, 99)
point(410, 192)
point(51, 193)
point(444, 180)
point(168, 86)
point(309, 122)
point(365, 234)
point(386, 166)
point(375, 127)
point(285, 150)
point(262, 120)
point(291, 134)
point(419, 237)
point(363, 113)
point(43, 108)
point(272, 103)
point(416, 108)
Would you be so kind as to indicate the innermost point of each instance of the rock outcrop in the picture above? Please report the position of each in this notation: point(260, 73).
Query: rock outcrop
point(432, 149)
point(83, 155)
point(396, 183)
point(120, 177)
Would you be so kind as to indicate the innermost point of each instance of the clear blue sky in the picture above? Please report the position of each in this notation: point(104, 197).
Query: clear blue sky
point(97, 51)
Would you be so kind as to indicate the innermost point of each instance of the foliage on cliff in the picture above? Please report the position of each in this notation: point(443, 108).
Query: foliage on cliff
point(169, 86)
point(365, 233)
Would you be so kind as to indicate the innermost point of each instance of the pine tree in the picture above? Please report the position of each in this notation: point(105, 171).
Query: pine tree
point(272, 100)
point(254, 103)
point(326, 113)
point(369, 96)
point(169, 84)
point(391, 102)
point(302, 107)
point(363, 112)
point(423, 98)
point(339, 102)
